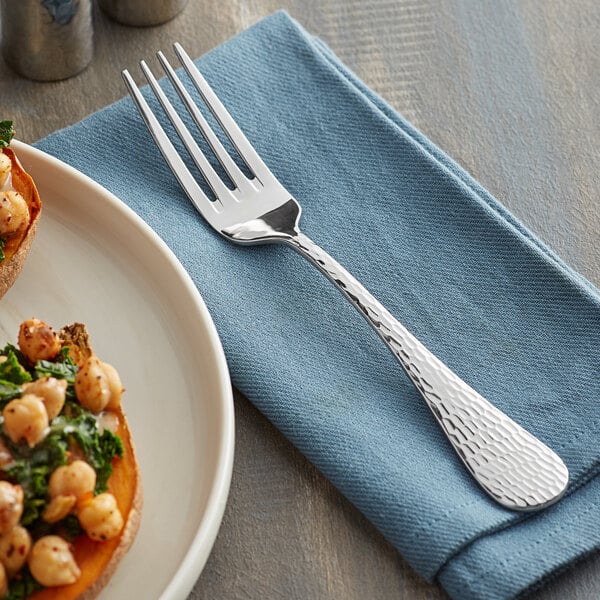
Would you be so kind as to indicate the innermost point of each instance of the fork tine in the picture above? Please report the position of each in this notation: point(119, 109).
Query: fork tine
point(180, 170)
point(213, 179)
point(234, 172)
point(231, 128)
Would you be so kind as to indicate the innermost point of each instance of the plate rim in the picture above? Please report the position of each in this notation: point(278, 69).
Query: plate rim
point(196, 556)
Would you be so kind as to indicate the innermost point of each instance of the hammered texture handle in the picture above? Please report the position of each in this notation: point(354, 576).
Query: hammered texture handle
point(512, 466)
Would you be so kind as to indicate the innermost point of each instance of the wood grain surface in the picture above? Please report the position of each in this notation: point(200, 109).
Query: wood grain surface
point(509, 88)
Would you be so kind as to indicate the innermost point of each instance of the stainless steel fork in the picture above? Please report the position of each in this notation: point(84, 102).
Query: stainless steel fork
point(512, 466)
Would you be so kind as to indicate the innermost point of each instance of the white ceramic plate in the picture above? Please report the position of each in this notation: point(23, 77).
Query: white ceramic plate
point(95, 261)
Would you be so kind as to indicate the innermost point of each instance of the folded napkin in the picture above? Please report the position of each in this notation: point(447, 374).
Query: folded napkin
point(441, 254)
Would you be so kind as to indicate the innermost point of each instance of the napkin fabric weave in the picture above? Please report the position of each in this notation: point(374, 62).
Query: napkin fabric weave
point(469, 280)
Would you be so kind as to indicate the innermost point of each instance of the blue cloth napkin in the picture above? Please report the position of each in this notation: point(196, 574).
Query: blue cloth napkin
point(445, 257)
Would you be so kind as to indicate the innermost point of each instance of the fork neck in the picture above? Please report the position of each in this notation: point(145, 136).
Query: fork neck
point(276, 226)
point(284, 219)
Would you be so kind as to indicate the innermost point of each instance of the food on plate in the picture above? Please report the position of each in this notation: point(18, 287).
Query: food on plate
point(70, 489)
point(20, 208)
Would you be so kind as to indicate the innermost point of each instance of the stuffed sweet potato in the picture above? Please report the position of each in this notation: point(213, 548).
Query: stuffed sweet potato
point(70, 490)
point(20, 208)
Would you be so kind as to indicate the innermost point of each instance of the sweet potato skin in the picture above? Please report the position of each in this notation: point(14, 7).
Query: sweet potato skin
point(99, 560)
point(16, 249)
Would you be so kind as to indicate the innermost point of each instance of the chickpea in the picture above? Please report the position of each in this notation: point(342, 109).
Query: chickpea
point(14, 549)
point(38, 341)
point(5, 168)
point(6, 458)
point(92, 386)
point(58, 508)
point(75, 479)
point(52, 563)
point(3, 581)
point(52, 392)
point(14, 212)
point(108, 420)
point(115, 386)
point(11, 505)
point(101, 518)
point(26, 418)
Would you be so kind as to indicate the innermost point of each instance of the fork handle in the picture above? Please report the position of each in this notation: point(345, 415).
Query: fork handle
point(510, 464)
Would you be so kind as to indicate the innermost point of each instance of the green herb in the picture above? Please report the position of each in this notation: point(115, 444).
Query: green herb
point(72, 527)
point(22, 586)
point(2, 255)
point(32, 468)
point(9, 391)
point(98, 449)
point(6, 133)
point(110, 446)
point(12, 348)
point(11, 370)
point(12, 375)
point(62, 367)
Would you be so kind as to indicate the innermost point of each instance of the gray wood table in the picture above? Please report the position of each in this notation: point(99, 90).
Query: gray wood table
point(507, 88)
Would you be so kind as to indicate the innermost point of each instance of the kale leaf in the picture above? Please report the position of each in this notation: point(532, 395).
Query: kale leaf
point(6, 133)
point(11, 369)
point(9, 391)
point(32, 468)
point(12, 375)
point(61, 367)
point(109, 446)
point(22, 586)
point(72, 527)
point(98, 448)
